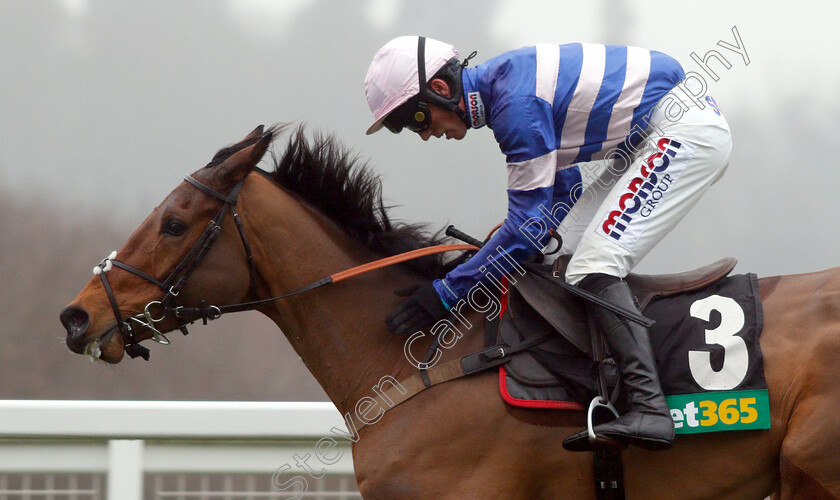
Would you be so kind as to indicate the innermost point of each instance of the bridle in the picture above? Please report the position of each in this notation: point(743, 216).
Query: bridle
point(177, 279)
point(158, 311)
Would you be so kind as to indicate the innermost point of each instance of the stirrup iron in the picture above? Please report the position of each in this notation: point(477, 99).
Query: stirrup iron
point(597, 402)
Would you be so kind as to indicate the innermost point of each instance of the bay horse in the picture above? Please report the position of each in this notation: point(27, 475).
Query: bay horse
point(320, 211)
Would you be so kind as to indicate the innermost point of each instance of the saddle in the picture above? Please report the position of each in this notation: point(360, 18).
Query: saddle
point(567, 361)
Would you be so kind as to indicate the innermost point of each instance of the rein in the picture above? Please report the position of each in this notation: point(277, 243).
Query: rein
point(177, 279)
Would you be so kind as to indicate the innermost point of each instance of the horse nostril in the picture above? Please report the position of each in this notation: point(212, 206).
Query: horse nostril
point(75, 321)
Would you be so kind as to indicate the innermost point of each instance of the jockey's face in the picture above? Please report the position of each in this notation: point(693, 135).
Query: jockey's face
point(444, 122)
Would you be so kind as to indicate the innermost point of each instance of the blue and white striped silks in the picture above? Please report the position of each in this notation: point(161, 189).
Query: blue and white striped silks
point(551, 107)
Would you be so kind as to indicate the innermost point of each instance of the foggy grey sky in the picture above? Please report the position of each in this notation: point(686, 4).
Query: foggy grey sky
point(105, 105)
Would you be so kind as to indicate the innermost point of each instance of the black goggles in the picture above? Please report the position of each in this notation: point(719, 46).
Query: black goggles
point(413, 115)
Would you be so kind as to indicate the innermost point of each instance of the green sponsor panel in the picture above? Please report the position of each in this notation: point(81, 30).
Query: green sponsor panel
point(720, 411)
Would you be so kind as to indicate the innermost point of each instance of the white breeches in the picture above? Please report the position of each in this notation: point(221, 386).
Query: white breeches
point(639, 199)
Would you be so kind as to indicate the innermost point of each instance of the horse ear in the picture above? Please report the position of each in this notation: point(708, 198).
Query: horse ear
point(255, 133)
point(240, 164)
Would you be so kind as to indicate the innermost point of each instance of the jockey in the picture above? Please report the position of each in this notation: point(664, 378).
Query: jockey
point(553, 109)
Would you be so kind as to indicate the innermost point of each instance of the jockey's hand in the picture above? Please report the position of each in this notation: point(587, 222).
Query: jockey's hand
point(422, 308)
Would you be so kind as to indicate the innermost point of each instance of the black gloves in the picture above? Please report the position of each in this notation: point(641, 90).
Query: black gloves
point(422, 308)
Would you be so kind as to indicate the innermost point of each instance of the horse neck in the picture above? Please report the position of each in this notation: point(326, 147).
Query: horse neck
point(338, 330)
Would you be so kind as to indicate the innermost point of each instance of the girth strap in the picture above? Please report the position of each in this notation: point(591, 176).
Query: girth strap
point(470, 364)
point(409, 388)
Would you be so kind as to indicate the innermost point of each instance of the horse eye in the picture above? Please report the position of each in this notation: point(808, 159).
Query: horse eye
point(174, 228)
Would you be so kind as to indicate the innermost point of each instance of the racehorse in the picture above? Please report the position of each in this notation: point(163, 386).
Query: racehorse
point(320, 211)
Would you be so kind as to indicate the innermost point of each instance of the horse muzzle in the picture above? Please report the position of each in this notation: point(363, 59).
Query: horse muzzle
point(108, 346)
point(77, 322)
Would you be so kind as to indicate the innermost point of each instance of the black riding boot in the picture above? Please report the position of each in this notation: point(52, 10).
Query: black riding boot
point(648, 423)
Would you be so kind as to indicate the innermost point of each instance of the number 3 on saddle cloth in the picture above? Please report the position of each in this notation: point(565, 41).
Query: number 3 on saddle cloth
point(705, 341)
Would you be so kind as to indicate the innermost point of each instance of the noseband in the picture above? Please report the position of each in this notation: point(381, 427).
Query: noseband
point(157, 311)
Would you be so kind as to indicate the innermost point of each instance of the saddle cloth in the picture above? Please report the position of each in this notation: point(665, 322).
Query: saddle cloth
point(705, 337)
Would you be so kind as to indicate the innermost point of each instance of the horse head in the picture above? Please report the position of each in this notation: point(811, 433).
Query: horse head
point(135, 293)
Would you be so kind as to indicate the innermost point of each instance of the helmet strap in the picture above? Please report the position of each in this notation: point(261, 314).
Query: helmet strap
point(450, 103)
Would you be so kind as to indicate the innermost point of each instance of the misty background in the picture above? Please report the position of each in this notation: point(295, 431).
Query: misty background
point(106, 105)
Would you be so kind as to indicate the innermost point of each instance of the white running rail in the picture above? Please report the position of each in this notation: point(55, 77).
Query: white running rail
point(129, 442)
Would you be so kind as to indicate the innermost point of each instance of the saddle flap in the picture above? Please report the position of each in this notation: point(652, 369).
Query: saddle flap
point(562, 310)
point(523, 366)
point(527, 323)
point(528, 371)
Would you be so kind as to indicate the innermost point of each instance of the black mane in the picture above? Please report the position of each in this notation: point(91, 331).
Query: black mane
point(343, 187)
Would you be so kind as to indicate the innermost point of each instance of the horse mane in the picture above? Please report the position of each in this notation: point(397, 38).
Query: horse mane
point(341, 185)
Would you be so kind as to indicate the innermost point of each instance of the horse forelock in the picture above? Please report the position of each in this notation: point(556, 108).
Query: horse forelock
point(341, 185)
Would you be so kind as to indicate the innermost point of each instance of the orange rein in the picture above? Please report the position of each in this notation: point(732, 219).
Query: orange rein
point(494, 230)
point(396, 259)
point(214, 312)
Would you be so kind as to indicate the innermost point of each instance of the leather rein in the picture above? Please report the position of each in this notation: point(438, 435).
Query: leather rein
point(158, 311)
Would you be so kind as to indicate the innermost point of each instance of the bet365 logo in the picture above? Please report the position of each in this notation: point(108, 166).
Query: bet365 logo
point(720, 411)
